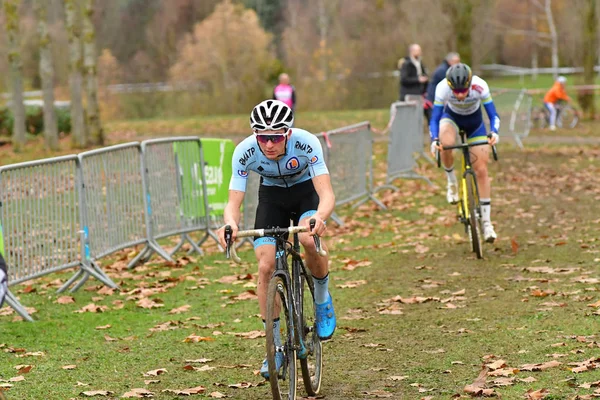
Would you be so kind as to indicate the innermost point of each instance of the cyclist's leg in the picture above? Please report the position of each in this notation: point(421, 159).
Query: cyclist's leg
point(552, 109)
point(319, 268)
point(448, 131)
point(479, 161)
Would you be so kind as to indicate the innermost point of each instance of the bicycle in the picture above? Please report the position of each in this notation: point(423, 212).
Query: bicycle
point(566, 116)
point(469, 207)
point(299, 339)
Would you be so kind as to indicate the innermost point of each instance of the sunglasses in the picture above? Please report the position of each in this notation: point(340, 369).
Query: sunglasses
point(460, 91)
point(264, 139)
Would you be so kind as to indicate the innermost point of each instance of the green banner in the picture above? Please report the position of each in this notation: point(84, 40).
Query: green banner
point(218, 154)
point(192, 199)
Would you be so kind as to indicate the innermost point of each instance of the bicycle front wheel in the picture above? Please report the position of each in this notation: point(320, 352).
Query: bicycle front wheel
point(282, 354)
point(567, 118)
point(311, 349)
point(474, 227)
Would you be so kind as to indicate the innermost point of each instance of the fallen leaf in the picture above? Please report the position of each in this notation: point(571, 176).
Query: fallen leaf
point(217, 395)
point(138, 393)
point(155, 372)
point(103, 327)
point(93, 393)
point(540, 367)
point(186, 392)
point(65, 300)
point(514, 245)
point(181, 309)
point(23, 369)
point(69, 367)
point(536, 395)
point(17, 378)
point(149, 303)
point(378, 393)
point(193, 338)
point(92, 308)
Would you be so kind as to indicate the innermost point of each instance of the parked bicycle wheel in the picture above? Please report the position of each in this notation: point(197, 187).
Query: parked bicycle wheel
point(567, 117)
point(311, 356)
point(285, 379)
point(475, 231)
point(539, 117)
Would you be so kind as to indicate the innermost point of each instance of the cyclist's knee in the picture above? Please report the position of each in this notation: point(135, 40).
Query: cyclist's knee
point(266, 265)
point(307, 242)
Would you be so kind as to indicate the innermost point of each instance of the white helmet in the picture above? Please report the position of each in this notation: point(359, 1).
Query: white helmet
point(271, 115)
point(561, 79)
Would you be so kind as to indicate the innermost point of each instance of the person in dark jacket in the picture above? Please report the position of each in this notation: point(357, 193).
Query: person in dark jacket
point(440, 74)
point(413, 75)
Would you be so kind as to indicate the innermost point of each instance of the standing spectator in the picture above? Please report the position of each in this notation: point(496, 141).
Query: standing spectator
point(285, 92)
point(438, 76)
point(413, 76)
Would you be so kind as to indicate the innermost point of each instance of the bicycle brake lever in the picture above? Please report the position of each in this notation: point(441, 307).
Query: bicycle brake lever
point(317, 239)
point(228, 235)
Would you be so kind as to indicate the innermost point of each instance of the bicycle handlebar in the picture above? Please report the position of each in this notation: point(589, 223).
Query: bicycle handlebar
point(465, 145)
point(230, 250)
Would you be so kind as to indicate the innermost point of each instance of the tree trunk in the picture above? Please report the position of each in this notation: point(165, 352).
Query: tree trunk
point(96, 135)
point(323, 30)
point(78, 133)
point(590, 55)
point(461, 12)
point(47, 77)
point(553, 35)
point(534, 43)
point(11, 14)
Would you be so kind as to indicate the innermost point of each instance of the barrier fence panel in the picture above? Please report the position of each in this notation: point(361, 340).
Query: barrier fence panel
point(113, 201)
point(520, 119)
point(400, 160)
point(350, 162)
point(40, 210)
point(218, 154)
point(176, 198)
point(419, 137)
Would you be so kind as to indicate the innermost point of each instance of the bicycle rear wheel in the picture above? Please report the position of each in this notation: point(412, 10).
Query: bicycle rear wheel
point(474, 226)
point(539, 117)
point(311, 353)
point(283, 382)
point(567, 118)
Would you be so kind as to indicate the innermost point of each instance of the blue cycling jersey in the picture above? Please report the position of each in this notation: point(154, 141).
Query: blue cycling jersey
point(303, 160)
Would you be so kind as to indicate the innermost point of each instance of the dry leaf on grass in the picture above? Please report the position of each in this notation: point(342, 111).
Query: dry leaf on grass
point(92, 308)
point(217, 395)
point(23, 369)
point(193, 338)
point(478, 388)
point(103, 327)
point(378, 394)
point(93, 393)
point(181, 309)
point(65, 300)
point(540, 367)
point(186, 392)
point(149, 303)
point(17, 378)
point(155, 372)
point(537, 394)
point(138, 393)
point(69, 367)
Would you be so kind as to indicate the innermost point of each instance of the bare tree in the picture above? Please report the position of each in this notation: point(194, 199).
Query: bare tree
point(11, 13)
point(590, 55)
point(553, 35)
point(78, 133)
point(47, 77)
point(96, 135)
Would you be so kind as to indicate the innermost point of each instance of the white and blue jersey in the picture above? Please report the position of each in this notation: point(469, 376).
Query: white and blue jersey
point(303, 161)
point(464, 114)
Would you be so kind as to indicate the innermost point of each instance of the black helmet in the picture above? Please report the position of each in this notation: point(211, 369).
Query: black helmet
point(459, 76)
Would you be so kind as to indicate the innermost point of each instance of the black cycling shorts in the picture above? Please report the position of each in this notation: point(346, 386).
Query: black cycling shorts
point(278, 205)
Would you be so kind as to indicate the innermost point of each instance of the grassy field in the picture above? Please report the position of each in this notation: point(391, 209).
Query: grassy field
point(419, 317)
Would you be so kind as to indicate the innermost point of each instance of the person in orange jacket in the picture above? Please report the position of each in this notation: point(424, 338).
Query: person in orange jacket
point(555, 94)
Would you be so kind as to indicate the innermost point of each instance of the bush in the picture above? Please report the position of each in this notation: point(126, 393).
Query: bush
point(34, 120)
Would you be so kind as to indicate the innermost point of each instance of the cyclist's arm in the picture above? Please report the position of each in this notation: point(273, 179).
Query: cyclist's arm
point(490, 109)
point(322, 184)
point(232, 213)
point(438, 108)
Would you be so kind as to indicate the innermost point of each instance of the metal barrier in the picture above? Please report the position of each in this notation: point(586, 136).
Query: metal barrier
point(113, 203)
point(42, 221)
point(520, 119)
point(349, 157)
point(175, 194)
point(419, 135)
point(400, 160)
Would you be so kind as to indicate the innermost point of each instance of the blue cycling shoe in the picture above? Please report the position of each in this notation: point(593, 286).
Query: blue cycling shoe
point(264, 369)
point(325, 319)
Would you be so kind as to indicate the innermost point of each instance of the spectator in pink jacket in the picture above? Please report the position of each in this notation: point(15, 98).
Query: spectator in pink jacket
point(285, 92)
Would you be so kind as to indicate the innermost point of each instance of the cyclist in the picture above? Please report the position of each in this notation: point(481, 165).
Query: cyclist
point(556, 93)
point(457, 106)
point(295, 184)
